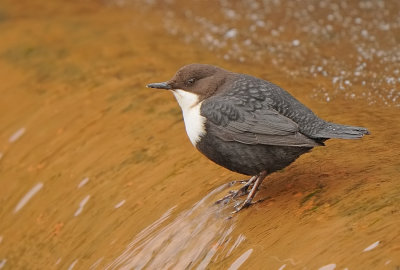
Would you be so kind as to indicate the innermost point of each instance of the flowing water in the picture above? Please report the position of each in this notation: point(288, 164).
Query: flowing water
point(96, 171)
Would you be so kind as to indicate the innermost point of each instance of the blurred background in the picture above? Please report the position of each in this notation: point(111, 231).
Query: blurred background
point(96, 171)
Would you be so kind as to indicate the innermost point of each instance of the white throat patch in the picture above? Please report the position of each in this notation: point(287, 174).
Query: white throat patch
point(194, 122)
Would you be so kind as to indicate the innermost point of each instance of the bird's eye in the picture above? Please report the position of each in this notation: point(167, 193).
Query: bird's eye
point(191, 81)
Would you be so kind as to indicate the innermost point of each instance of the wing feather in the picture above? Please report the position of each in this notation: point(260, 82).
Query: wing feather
point(233, 120)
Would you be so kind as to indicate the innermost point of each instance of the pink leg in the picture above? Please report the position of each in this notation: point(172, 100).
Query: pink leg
point(253, 191)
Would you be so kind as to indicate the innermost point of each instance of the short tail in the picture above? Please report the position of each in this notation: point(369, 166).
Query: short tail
point(332, 130)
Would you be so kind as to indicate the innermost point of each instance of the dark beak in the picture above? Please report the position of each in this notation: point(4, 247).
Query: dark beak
point(161, 85)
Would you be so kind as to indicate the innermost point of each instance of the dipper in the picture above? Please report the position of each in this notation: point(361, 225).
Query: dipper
point(247, 125)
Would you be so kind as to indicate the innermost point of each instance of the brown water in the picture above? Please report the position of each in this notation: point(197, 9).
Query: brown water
point(96, 171)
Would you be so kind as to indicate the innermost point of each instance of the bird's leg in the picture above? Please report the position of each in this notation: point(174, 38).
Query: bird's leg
point(237, 193)
point(253, 191)
point(244, 188)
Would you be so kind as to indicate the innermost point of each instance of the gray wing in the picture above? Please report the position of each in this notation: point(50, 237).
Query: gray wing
point(251, 122)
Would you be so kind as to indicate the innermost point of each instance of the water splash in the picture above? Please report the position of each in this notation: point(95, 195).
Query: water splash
point(239, 261)
point(239, 240)
point(253, 31)
point(192, 239)
point(96, 263)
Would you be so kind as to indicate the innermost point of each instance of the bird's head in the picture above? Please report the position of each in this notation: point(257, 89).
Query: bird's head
point(194, 81)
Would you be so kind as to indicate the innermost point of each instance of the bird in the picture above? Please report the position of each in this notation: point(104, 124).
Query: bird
point(246, 124)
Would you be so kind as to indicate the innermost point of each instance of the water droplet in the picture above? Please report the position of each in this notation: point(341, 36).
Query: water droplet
point(72, 265)
point(16, 135)
point(28, 196)
point(2, 263)
point(328, 267)
point(296, 42)
point(231, 33)
point(282, 267)
point(83, 182)
point(121, 203)
point(81, 205)
point(371, 247)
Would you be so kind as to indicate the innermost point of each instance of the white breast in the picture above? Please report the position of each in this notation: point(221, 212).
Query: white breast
point(194, 122)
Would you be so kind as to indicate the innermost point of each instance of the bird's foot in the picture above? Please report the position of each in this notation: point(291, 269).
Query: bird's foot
point(225, 199)
point(244, 190)
point(240, 206)
point(232, 194)
point(257, 182)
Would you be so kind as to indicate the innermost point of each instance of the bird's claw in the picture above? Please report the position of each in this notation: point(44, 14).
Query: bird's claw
point(244, 190)
point(241, 206)
point(225, 199)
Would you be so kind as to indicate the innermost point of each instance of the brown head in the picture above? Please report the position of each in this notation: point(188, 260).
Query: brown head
point(200, 79)
point(191, 85)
